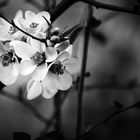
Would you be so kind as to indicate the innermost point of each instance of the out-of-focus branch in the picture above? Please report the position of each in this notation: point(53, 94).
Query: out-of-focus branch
point(36, 4)
point(48, 122)
point(111, 116)
point(28, 105)
point(4, 3)
point(64, 5)
point(111, 87)
point(51, 122)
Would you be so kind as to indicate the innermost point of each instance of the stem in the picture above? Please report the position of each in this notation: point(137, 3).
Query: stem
point(115, 113)
point(57, 106)
point(112, 7)
point(65, 4)
point(82, 76)
point(13, 24)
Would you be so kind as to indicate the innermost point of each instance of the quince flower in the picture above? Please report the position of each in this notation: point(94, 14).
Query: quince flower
point(35, 57)
point(8, 31)
point(35, 23)
point(9, 65)
point(57, 77)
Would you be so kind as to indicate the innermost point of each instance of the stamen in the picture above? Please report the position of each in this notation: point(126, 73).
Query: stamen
point(7, 58)
point(57, 68)
point(33, 25)
point(12, 30)
point(38, 58)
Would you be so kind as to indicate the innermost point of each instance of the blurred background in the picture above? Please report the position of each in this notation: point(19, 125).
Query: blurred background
point(113, 57)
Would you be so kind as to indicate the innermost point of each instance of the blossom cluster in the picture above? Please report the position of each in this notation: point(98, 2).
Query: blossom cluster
point(31, 45)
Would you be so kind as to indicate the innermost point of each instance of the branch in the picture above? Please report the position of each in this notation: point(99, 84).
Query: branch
point(48, 122)
point(60, 8)
point(112, 7)
point(111, 87)
point(111, 116)
point(36, 4)
point(27, 105)
point(13, 24)
point(64, 5)
point(83, 71)
point(4, 3)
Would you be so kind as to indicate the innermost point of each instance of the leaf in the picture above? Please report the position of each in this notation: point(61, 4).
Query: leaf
point(66, 33)
point(75, 34)
point(117, 105)
point(21, 136)
point(94, 23)
point(53, 135)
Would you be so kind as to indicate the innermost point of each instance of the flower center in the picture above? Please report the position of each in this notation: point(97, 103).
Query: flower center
point(12, 30)
point(7, 58)
point(38, 58)
point(33, 25)
point(57, 68)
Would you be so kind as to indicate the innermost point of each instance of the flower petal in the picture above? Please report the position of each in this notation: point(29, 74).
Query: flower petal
point(69, 49)
point(72, 65)
point(40, 72)
point(49, 93)
point(49, 85)
point(18, 15)
point(27, 67)
point(29, 15)
point(45, 14)
point(64, 81)
point(62, 46)
point(6, 75)
point(22, 49)
point(51, 54)
point(15, 67)
point(2, 50)
point(4, 30)
point(23, 23)
point(34, 89)
point(50, 80)
point(63, 56)
point(37, 45)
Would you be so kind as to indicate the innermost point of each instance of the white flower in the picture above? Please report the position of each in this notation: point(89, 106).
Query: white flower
point(8, 31)
point(57, 77)
point(58, 73)
point(35, 23)
point(9, 66)
point(34, 57)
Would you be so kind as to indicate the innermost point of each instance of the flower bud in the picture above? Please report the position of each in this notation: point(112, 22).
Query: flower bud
point(55, 31)
point(55, 39)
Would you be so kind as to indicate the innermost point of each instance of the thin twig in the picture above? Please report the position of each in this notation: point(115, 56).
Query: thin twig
point(13, 24)
point(51, 121)
point(36, 4)
point(111, 116)
point(111, 87)
point(64, 5)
